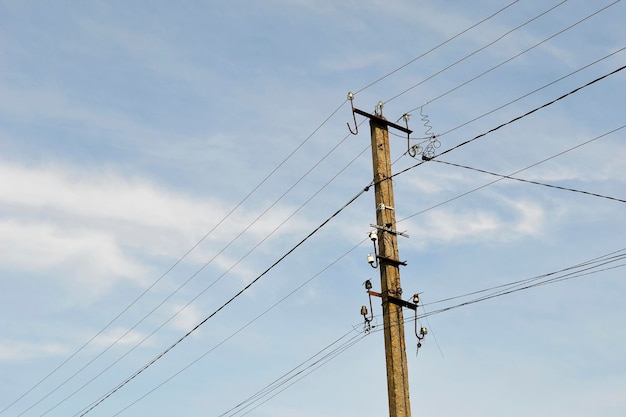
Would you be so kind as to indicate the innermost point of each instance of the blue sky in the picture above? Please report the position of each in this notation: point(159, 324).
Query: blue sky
point(156, 158)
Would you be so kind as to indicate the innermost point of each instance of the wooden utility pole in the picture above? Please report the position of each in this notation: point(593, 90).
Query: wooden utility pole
point(387, 260)
point(395, 349)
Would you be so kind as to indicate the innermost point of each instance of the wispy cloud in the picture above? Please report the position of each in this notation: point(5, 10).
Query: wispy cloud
point(99, 228)
point(11, 350)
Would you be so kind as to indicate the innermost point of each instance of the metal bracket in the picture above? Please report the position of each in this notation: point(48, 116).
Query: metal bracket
point(382, 207)
point(390, 260)
point(395, 300)
point(388, 230)
point(382, 120)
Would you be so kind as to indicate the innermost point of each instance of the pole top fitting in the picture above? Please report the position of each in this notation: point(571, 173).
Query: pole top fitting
point(379, 109)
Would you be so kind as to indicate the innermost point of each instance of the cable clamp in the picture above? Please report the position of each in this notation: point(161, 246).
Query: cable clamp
point(389, 230)
point(382, 207)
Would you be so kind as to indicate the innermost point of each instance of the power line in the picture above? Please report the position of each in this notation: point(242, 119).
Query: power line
point(585, 272)
point(513, 173)
point(612, 256)
point(521, 97)
point(302, 285)
point(401, 220)
point(532, 111)
point(532, 182)
point(191, 249)
point(125, 309)
point(511, 121)
point(239, 293)
point(474, 53)
point(425, 139)
point(507, 60)
point(585, 268)
point(574, 91)
point(265, 238)
point(437, 47)
point(175, 264)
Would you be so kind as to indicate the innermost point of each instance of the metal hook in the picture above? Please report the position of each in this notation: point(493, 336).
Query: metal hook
point(423, 331)
point(356, 126)
point(411, 150)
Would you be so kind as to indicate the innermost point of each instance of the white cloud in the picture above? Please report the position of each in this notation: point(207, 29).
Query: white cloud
point(11, 350)
point(531, 218)
point(90, 259)
point(94, 229)
point(119, 336)
point(481, 225)
point(186, 318)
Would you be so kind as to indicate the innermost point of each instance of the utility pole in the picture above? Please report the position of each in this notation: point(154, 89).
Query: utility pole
point(393, 320)
point(389, 264)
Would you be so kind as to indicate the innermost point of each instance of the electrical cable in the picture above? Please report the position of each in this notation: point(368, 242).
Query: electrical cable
point(218, 224)
point(318, 365)
point(557, 279)
point(475, 52)
point(425, 139)
point(521, 97)
point(515, 119)
point(437, 47)
point(513, 173)
point(510, 122)
point(529, 286)
point(266, 237)
point(612, 256)
point(532, 182)
point(241, 329)
point(302, 285)
point(224, 305)
point(176, 263)
point(183, 284)
point(153, 284)
point(509, 288)
point(501, 63)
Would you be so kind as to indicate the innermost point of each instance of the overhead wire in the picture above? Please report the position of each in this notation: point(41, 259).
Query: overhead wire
point(613, 256)
point(455, 63)
point(536, 90)
point(565, 277)
point(503, 62)
point(223, 341)
point(513, 173)
point(422, 55)
point(174, 265)
point(224, 305)
point(558, 279)
point(531, 182)
point(426, 315)
point(175, 314)
point(552, 157)
point(523, 96)
point(310, 369)
point(219, 223)
point(515, 119)
point(585, 268)
point(237, 206)
point(171, 294)
point(180, 259)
